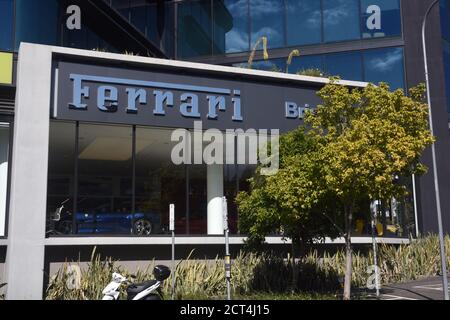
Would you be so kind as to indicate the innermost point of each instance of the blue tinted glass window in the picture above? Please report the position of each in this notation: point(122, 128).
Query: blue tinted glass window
point(304, 22)
point(36, 21)
point(267, 20)
point(380, 18)
point(123, 7)
point(341, 20)
point(231, 26)
point(138, 16)
point(346, 65)
point(6, 24)
point(194, 29)
point(306, 64)
point(445, 18)
point(384, 65)
point(160, 26)
point(447, 72)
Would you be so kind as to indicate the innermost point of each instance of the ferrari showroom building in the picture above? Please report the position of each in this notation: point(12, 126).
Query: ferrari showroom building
point(98, 98)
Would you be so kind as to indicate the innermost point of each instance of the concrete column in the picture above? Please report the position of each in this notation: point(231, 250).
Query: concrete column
point(215, 194)
point(27, 208)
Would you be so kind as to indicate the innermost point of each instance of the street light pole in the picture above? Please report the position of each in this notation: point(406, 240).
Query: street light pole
point(433, 151)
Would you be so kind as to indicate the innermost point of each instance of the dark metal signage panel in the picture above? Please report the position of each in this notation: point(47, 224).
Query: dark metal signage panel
point(152, 97)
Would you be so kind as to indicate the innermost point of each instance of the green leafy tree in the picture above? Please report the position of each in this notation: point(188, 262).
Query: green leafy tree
point(288, 202)
point(351, 150)
point(367, 138)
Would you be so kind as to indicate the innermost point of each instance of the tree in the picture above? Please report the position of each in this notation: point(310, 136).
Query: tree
point(288, 202)
point(366, 139)
point(351, 150)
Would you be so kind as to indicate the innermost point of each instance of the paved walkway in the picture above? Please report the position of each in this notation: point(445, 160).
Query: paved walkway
point(426, 289)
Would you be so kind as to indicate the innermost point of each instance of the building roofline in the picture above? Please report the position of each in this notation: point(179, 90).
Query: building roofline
point(194, 66)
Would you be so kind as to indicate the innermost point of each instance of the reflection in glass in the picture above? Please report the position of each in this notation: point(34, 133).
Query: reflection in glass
point(6, 24)
point(304, 64)
point(36, 21)
point(304, 22)
point(104, 163)
point(233, 20)
point(159, 183)
point(341, 20)
point(267, 20)
point(445, 19)
point(61, 175)
point(380, 18)
point(194, 29)
point(446, 45)
point(384, 65)
point(346, 65)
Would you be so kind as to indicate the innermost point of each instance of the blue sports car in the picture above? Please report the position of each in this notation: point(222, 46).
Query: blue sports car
point(62, 222)
point(141, 224)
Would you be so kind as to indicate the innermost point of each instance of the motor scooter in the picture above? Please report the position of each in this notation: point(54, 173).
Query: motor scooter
point(148, 290)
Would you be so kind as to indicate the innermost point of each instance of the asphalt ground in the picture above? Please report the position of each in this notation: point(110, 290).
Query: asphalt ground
point(425, 289)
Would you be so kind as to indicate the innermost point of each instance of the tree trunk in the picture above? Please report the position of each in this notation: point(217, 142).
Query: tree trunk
point(348, 253)
point(294, 269)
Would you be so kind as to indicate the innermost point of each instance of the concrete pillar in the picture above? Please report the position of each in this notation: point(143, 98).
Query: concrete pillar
point(215, 194)
point(28, 198)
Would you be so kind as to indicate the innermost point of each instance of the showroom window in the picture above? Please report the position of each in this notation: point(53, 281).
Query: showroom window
point(105, 170)
point(120, 180)
point(380, 18)
point(304, 22)
point(158, 182)
point(61, 179)
point(341, 20)
point(6, 24)
point(385, 65)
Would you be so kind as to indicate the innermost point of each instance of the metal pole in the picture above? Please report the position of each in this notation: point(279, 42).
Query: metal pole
point(416, 219)
point(172, 228)
point(375, 252)
point(433, 151)
point(227, 247)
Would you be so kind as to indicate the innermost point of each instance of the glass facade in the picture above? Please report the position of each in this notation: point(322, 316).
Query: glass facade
point(445, 27)
point(120, 180)
point(341, 20)
point(385, 65)
point(202, 28)
point(376, 65)
point(237, 25)
point(6, 24)
point(304, 22)
point(96, 188)
point(31, 14)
